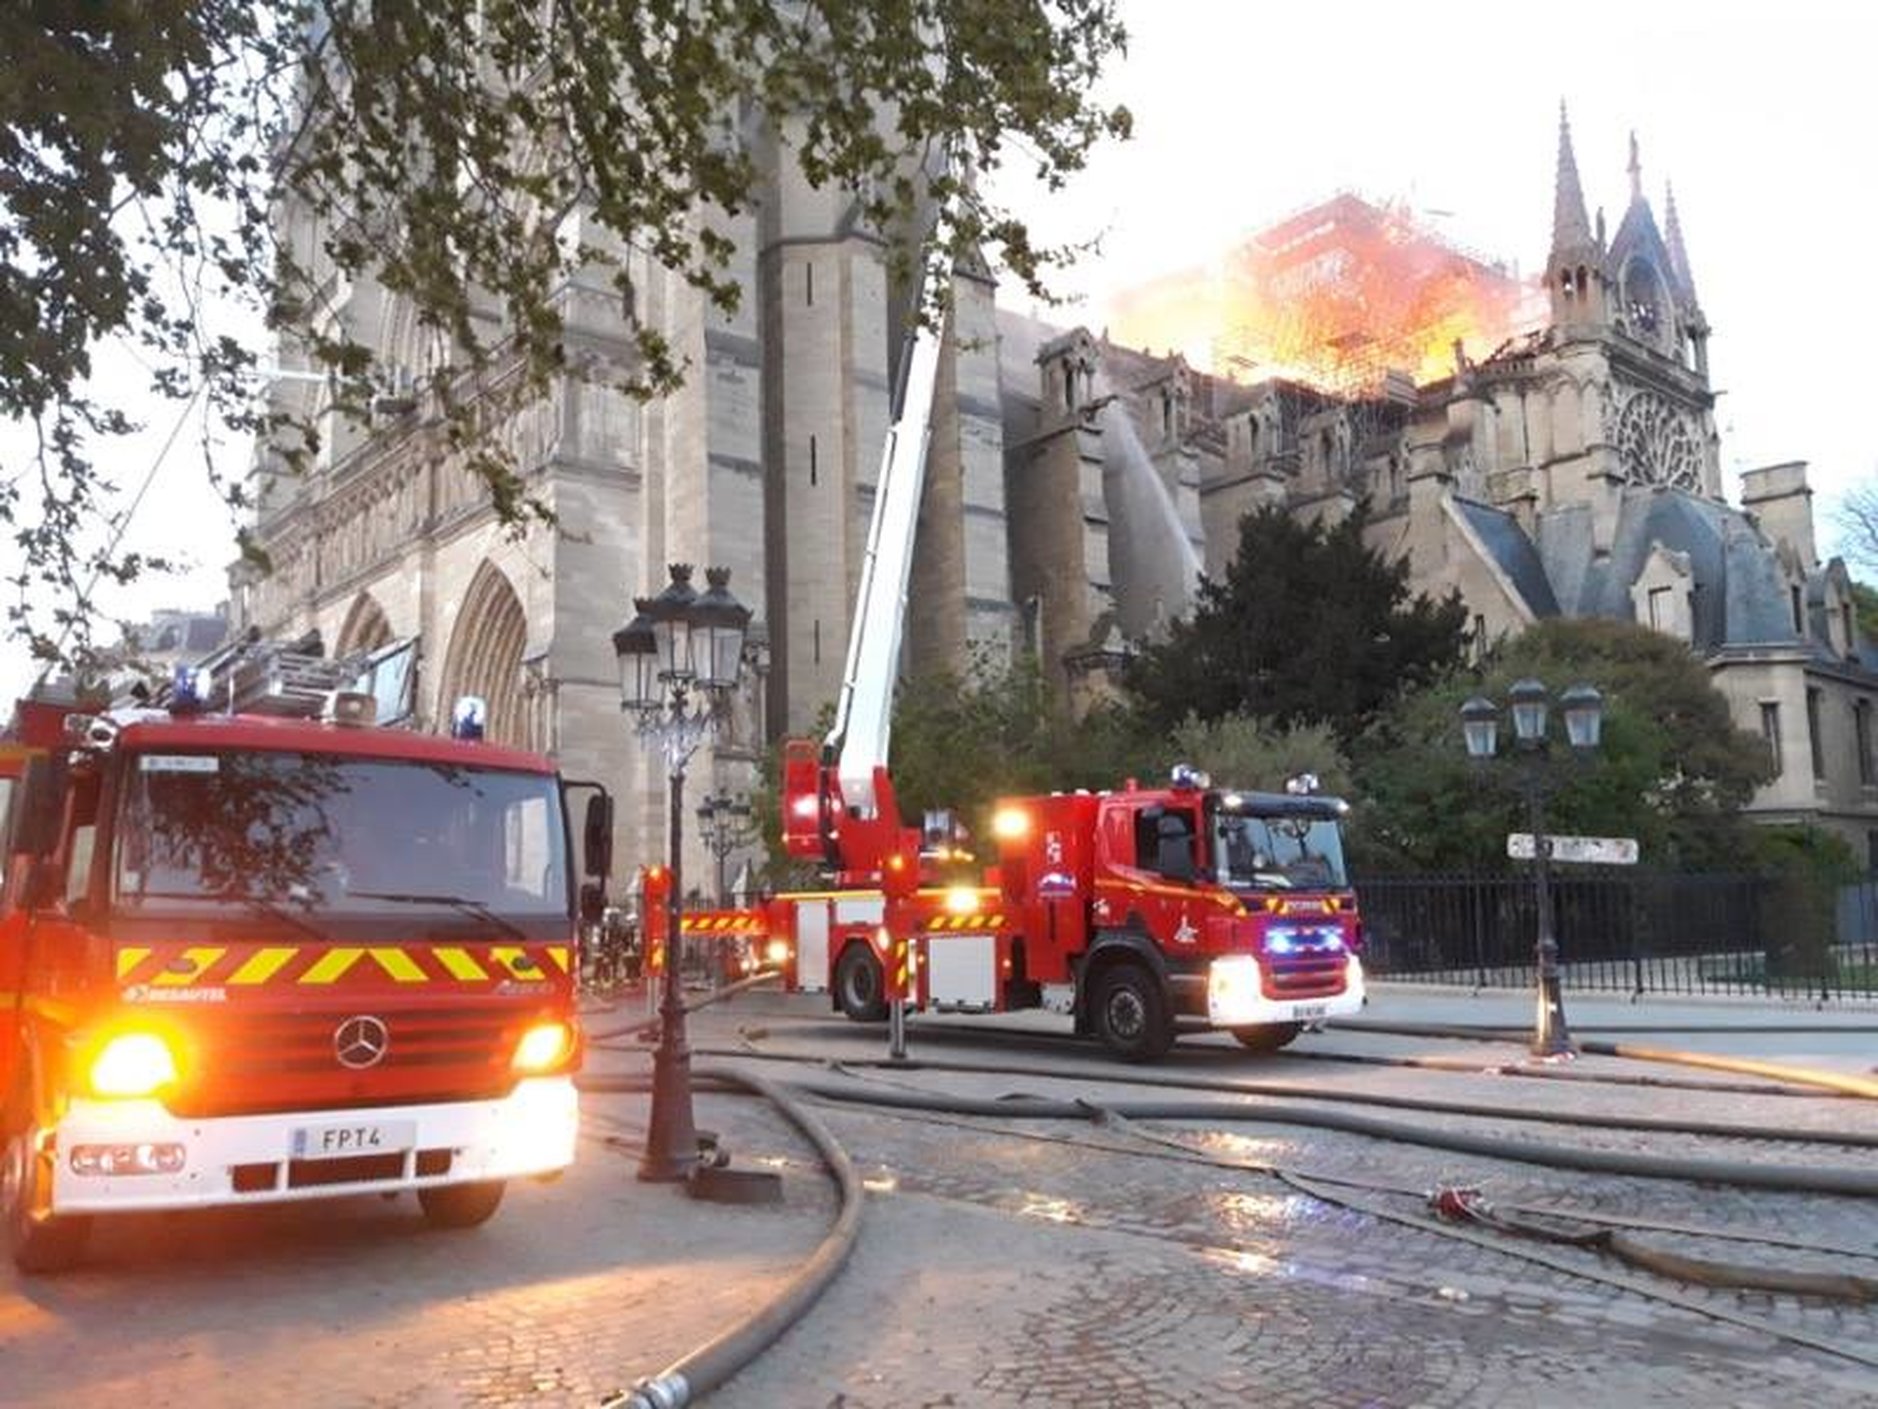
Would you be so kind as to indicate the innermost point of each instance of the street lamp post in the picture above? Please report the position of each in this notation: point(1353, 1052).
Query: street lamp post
point(679, 658)
point(1583, 708)
point(724, 823)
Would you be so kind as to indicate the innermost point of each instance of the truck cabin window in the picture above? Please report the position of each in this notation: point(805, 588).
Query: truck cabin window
point(1278, 853)
point(316, 835)
point(1164, 842)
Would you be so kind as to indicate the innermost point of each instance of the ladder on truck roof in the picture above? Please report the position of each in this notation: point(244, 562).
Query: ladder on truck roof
point(290, 679)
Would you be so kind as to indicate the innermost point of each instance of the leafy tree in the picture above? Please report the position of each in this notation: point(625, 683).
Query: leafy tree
point(1672, 770)
point(472, 156)
point(961, 741)
point(1310, 626)
point(1865, 603)
point(1240, 750)
point(1808, 865)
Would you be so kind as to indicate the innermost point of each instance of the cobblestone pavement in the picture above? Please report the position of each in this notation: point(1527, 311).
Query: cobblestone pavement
point(1008, 1262)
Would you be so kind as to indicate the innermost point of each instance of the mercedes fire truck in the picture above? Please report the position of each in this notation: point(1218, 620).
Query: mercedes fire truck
point(291, 954)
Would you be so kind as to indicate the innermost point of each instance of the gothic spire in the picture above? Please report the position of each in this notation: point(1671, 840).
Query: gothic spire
point(1570, 228)
point(1636, 171)
point(1672, 236)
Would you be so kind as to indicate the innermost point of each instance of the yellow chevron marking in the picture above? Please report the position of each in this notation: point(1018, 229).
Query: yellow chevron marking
point(399, 965)
point(461, 965)
point(558, 953)
point(128, 959)
point(199, 961)
point(332, 964)
point(261, 966)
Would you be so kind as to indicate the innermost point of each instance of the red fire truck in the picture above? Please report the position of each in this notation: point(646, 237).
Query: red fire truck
point(1135, 911)
point(247, 958)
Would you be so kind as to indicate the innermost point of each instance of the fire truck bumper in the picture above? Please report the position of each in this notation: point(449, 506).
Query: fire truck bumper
point(1236, 996)
point(123, 1156)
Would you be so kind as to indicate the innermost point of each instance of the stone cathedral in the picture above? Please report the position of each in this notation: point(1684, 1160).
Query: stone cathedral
point(1077, 489)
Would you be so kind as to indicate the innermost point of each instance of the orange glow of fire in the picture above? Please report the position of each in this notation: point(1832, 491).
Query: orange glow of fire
point(1335, 297)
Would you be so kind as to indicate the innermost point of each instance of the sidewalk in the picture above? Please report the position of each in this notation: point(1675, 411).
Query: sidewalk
point(1841, 1038)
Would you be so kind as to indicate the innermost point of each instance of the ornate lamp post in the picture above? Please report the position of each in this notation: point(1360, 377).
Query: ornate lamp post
point(1583, 708)
point(679, 659)
point(724, 823)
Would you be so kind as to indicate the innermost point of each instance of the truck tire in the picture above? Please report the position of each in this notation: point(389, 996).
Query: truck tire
point(461, 1205)
point(1267, 1037)
point(860, 988)
point(36, 1245)
point(1129, 1013)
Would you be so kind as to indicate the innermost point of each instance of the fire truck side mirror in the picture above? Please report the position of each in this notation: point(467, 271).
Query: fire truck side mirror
point(41, 807)
point(598, 836)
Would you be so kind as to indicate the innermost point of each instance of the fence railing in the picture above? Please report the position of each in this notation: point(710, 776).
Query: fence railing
point(1624, 931)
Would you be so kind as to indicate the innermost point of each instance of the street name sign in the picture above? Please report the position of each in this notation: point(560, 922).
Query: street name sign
point(1594, 851)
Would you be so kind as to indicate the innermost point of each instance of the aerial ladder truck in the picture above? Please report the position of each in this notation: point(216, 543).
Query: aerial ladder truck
point(1138, 912)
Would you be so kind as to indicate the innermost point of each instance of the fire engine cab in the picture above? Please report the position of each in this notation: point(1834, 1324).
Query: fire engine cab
point(248, 957)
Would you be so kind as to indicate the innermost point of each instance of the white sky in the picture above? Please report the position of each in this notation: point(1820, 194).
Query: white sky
point(1246, 110)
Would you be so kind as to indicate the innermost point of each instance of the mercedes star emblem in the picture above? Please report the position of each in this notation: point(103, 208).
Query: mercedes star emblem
point(361, 1042)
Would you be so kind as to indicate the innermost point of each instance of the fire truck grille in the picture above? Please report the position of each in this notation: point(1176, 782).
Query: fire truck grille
point(1304, 976)
point(256, 1063)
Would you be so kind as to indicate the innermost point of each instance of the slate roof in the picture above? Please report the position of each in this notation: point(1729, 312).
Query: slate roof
point(1513, 552)
point(1741, 598)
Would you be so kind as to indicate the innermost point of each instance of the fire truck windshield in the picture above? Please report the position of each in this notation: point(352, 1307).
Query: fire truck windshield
point(1278, 853)
point(314, 837)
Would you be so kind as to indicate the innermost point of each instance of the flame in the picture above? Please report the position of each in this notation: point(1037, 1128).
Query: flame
point(1336, 297)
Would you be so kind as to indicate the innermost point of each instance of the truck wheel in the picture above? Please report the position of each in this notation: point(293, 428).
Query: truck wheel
point(36, 1245)
point(1267, 1037)
point(1130, 1014)
point(460, 1205)
point(859, 988)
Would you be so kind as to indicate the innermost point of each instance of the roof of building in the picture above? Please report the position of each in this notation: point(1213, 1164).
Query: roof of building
point(1512, 552)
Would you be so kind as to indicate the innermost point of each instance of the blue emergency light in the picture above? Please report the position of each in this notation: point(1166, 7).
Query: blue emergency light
point(466, 719)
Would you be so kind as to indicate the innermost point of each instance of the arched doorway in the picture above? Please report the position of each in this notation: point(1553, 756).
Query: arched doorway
point(485, 657)
point(366, 628)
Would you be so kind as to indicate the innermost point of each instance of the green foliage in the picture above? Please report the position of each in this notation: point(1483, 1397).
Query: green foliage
point(1865, 603)
point(1310, 626)
point(1808, 865)
point(1242, 751)
point(1672, 771)
point(474, 156)
point(961, 741)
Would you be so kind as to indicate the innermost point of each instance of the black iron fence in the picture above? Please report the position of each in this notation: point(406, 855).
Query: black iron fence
point(1626, 931)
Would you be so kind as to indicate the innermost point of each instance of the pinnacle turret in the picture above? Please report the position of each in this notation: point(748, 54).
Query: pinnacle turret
point(1678, 252)
point(1570, 229)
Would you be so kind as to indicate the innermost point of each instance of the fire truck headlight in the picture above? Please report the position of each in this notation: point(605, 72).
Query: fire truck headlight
point(1233, 991)
point(544, 1047)
point(133, 1064)
point(165, 1158)
point(776, 952)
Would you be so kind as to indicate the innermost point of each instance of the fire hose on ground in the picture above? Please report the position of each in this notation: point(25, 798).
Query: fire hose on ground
point(718, 1360)
point(707, 1367)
